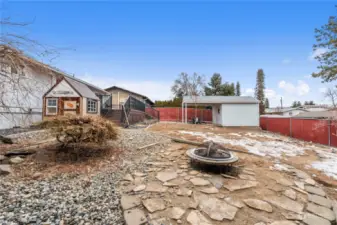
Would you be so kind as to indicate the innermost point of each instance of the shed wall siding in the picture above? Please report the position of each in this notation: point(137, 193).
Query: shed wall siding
point(240, 114)
point(216, 116)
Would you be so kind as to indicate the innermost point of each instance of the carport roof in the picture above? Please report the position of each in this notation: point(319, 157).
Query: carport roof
point(220, 100)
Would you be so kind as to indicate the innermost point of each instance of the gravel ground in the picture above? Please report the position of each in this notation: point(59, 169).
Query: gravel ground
point(72, 198)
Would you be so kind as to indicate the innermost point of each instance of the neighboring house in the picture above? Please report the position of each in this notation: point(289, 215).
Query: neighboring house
point(227, 110)
point(293, 111)
point(70, 97)
point(288, 111)
point(22, 90)
point(120, 95)
point(330, 114)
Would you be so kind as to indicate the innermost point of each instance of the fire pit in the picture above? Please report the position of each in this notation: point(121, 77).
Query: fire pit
point(212, 156)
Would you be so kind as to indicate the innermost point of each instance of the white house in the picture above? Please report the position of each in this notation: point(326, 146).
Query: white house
point(22, 90)
point(227, 110)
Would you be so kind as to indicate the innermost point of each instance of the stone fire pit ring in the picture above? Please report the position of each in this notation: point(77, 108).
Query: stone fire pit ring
point(229, 157)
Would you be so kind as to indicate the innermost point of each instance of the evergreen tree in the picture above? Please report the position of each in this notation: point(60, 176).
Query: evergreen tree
point(259, 89)
point(238, 89)
point(299, 104)
point(294, 105)
point(266, 103)
point(214, 85)
point(232, 89)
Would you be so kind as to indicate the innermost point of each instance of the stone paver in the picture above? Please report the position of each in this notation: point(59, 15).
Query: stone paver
point(139, 188)
point(155, 187)
point(314, 190)
point(217, 181)
point(196, 218)
point(166, 175)
point(134, 217)
point(334, 206)
point(319, 200)
point(5, 169)
point(217, 209)
point(175, 213)
point(194, 172)
point(246, 177)
point(299, 184)
point(129, 201)
point(310, 181)
point(321, 211)
point(311, 219)
point(285, 182)
point(161, 221)
point(290, 193)
point(233, 185)
point(199, 181)
point(154, 204)
point(285, 203)
point(283, 222)
point(260, 223)
point(209, 190)
point(184, 192)
point(249, 172)
point(258, 204)
point(139, 174)
point(128, 177)
point(292, 216)
point(234, 202)
point(300, 174)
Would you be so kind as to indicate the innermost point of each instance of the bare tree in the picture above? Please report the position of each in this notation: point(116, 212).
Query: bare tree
point(331, 94)
point(189, 85)
point(20, 92)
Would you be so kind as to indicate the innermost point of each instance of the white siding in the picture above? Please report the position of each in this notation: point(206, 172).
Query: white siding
point(240, 115)
point(293, 112)
point(216, 116)
point(63, 89)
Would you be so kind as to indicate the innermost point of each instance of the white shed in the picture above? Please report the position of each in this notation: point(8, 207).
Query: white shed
point(230, 111)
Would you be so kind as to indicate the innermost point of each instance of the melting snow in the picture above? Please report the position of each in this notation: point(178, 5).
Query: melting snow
point(328, 165)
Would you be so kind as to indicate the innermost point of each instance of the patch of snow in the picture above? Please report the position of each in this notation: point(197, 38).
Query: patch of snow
point(280, 167)
point(235, 134)
point(328, 165)
point(272, 148)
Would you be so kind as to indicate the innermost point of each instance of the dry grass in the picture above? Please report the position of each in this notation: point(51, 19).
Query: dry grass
point(77, 129)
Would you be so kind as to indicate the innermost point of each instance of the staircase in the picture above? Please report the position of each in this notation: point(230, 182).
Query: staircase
point(115, 115)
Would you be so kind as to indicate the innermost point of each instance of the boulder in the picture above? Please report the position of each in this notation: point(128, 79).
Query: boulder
point(16, 160)
point(5, 169)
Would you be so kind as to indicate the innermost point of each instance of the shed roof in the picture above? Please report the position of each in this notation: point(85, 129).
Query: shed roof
point(81, 88)
point(317, 114)
point(220, 100)
point(131, 92)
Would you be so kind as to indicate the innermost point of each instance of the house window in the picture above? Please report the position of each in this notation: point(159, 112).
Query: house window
point(92, 106)
point(51, 106)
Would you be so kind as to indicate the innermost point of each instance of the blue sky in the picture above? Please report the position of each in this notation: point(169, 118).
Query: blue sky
point(143, 46)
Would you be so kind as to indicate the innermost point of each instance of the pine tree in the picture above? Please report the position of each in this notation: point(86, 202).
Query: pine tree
point(214, 85)
point(266, 103)
point(259, 89)
point(238, 89)
point(232, 89)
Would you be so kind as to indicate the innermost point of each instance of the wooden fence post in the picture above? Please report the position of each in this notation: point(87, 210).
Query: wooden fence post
point(329, 132)
point(290, 127)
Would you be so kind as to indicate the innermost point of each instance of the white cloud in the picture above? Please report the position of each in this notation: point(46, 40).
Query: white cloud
point(270, 93)
point(300, 89)
point(248, 92)
point(152, 89)
point(322, 89)
point(286, 61)
point(316, 53)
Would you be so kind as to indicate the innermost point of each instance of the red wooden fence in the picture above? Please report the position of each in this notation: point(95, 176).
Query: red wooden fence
point(316, 131)
point(175, 114)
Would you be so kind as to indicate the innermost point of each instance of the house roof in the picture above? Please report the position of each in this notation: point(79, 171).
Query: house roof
point(81, 88)
point(317, 114)
point(297, 108)
point(123, 89)
point(220, 100)
point(55, 70)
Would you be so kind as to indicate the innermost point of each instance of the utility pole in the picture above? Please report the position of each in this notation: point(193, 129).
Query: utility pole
point(281, 103)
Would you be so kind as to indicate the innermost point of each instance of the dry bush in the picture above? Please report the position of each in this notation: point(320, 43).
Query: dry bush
point(81, 129)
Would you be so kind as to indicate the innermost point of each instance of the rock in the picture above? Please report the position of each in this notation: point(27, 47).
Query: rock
point(285, 203)
point(319, 200)
point(2, 157)
point(299, 184)
point(196, 218)
point(284, 182)
point(283, 222)
point(155, 187)
point(258, 204)
point(37, 175)
point(16, 160)
point(246, 177)
point(293, 216)
point(234, 202)
point(217, 209)
point(139, 174)
point(175, 213)
point(300, 174)
point(334, 206)
point(290, 194)
point(154, 204)
point(184, 192)
point(139, 188)
point(193, 204)
point(138, 180)
point(310, 181)
point(311, 219)
point(183, 166)
point(161, 221)
point(249, 172)
point(199, 181)
point(233, 185)
point(217, 181)
point(209, 190)
point(321, 211)
point(166, 175)
point(128, 202)
point(128, 177)
point(179, 221)
point(5, 169)
point(134, 217)
point(194, 172)
point(314, 190)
